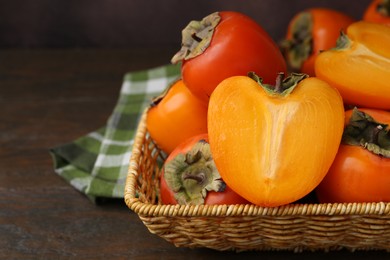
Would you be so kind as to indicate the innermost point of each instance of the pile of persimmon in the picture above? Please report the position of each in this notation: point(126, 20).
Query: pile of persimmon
point(222, 45)
point(253, 121)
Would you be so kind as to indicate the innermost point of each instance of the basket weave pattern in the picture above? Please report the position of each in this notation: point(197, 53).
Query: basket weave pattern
point(296, 227)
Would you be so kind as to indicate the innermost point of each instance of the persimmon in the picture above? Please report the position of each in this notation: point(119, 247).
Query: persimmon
point(175, 116)
point(361, 169)
point(189, 176)
point(309, 32)
point(360, 65)
point(225, 44)
point(274, 144)
point(378, 11)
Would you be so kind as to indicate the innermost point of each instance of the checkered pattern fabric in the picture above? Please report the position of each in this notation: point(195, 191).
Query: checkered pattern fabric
point(96, 164)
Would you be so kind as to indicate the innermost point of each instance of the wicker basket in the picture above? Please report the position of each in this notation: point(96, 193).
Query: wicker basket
point(296, 227)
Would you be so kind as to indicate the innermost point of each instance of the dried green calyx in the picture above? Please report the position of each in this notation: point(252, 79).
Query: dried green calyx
point(196, 37)
point(300, 46)
point(190, 176)
point(364, 131)
point(283, 85)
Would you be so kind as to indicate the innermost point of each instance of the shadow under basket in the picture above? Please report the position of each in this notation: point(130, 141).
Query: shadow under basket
point(295, 227)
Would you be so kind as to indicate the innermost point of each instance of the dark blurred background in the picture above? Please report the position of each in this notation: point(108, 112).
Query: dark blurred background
point(135, 23)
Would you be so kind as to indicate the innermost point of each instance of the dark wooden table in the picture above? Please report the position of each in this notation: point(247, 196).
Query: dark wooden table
point(50, 97)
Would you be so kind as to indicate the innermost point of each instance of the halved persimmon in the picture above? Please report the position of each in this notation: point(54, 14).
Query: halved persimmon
point(274, 145)
point(360, 65)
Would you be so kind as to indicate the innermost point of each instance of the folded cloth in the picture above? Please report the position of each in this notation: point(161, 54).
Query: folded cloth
point(96, 164)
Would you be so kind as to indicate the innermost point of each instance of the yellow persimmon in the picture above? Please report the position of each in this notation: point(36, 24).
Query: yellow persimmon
point(359, 67)
point(274, 144)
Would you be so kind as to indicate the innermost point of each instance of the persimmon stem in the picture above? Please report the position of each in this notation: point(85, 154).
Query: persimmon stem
point(278, 83)
point(375, 134)
point(196, 37)
point(199, 178)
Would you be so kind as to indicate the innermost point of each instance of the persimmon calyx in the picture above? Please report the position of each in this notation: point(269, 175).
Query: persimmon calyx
point(283, 85)
point(196, 37)
point(191, 175)
point(384, 8)
point(363, 130)
point(300, 46)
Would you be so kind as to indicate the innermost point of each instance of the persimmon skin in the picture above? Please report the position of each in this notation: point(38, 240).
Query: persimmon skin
point(361, 70)
point(356, 174)
point(372, 15)
point(178, 116)
point(326, 27)
point(238, 45)
point(263, 145)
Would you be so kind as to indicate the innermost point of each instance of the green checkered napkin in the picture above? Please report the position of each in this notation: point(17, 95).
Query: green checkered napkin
point(96, 164)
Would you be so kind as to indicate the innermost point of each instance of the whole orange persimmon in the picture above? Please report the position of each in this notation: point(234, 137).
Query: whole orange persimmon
point(361, 169)
point(176, 116)
point(225, 44)
point(274, 144)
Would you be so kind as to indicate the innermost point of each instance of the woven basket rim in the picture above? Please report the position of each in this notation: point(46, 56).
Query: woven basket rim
point(149, 209)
